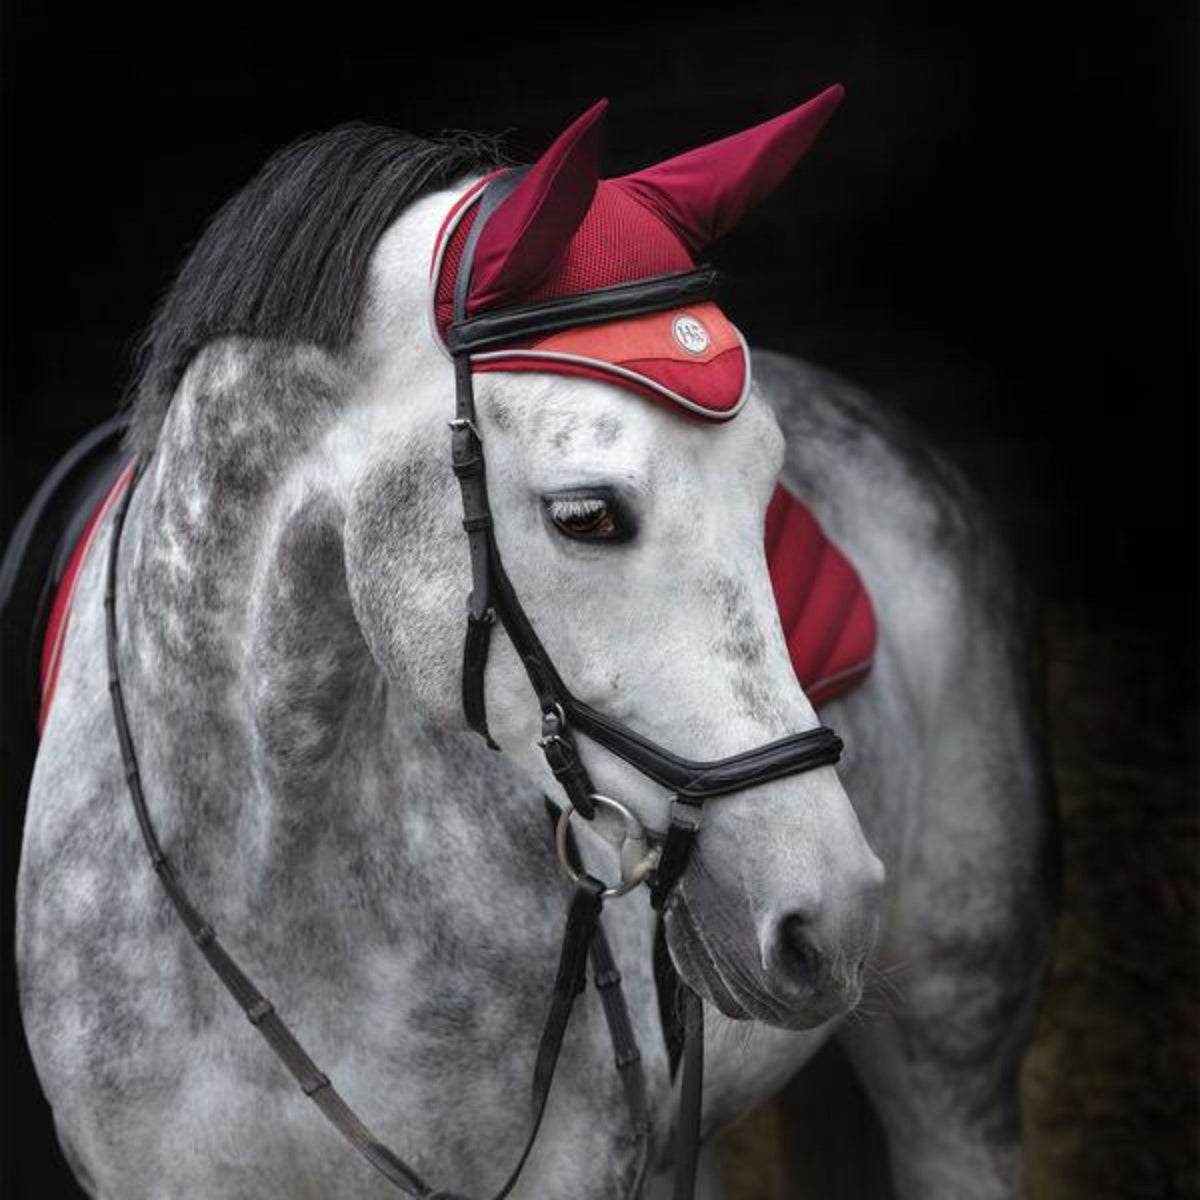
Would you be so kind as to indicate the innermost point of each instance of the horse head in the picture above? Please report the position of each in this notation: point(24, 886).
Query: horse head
point(628, 489)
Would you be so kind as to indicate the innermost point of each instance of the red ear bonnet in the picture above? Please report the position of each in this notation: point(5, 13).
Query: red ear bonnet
point(563, 231)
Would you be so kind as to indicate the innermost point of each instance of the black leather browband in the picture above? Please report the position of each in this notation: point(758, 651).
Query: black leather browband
point(605, 304)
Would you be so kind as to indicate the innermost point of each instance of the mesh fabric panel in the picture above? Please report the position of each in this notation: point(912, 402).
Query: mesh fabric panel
point(618, 241)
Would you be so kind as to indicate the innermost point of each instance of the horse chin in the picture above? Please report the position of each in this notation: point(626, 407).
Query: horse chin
point(736, 989)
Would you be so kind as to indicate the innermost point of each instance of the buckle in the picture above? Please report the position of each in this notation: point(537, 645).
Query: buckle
point(554, 721)
point(459, 424)
point(559, 751)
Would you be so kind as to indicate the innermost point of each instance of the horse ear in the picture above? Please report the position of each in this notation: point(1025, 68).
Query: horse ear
point(530, 230)
point(706, 192)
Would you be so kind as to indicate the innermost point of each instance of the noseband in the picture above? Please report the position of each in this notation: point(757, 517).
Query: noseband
point(658, 859)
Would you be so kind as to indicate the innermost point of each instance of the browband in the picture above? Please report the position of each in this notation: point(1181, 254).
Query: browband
point(656, 294)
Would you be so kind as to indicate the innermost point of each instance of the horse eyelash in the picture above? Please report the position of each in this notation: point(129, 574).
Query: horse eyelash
point(576, 508)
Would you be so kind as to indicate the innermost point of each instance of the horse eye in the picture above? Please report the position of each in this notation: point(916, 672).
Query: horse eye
point(587, 518)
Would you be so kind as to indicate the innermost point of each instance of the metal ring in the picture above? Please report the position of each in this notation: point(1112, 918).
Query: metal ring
point(636, 861)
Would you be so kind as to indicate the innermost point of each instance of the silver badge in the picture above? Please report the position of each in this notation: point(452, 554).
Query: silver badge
point(690, 334)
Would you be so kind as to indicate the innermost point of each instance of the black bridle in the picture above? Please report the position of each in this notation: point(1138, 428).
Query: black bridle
point(493, 599)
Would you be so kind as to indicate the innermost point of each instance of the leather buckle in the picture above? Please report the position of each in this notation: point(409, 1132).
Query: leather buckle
point(559, 750)
point(466, 448)
point(459, 424)
point(554, 721)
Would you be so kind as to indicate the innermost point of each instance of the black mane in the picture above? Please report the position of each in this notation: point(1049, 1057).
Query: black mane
point(287, 256)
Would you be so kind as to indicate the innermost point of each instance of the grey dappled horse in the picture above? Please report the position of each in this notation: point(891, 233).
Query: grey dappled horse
point(292, 580)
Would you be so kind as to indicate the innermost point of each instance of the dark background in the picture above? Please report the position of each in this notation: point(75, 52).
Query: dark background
point(997, 233)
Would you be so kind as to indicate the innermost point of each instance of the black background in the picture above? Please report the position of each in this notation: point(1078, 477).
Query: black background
point(996, 232)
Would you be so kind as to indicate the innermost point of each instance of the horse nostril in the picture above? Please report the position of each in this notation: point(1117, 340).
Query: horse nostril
point(798, 954)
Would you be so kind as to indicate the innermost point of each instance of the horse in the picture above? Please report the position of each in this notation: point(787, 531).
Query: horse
point(289, 576)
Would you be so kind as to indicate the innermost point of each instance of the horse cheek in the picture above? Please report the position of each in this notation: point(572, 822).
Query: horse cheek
point(407, 571)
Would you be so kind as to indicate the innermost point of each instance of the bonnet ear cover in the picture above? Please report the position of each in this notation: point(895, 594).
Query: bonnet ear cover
point(564, 232)
point(529, 232)
point(703, 194)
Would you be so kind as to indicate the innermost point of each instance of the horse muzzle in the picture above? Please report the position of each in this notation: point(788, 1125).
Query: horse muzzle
point(796, 967)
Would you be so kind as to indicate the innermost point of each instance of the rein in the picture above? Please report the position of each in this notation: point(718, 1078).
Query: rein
point(657, 859)
point(583, 939)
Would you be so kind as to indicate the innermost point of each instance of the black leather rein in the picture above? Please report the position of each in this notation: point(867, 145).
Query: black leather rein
point(583, 939)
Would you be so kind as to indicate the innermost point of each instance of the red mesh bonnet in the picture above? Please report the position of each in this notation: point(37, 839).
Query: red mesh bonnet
point(563, 231)
point(619, 240)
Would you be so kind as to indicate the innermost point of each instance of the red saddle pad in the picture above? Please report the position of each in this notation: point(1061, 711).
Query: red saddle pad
point(60, 612)
point(827, 616)
point(826, 613)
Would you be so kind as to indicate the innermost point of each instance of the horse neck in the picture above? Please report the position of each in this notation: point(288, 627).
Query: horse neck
point(242, 657)
point(264, 726)
point(241, 421)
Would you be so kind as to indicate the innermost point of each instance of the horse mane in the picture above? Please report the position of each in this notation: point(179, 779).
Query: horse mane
point(286, 257)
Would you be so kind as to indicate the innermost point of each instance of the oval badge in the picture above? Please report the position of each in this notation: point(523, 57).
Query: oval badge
point(690, 334)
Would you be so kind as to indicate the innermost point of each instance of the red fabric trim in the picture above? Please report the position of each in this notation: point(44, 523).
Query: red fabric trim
point(827, 616)
point(60, 611)
point(648, 337)
point(716, 385)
